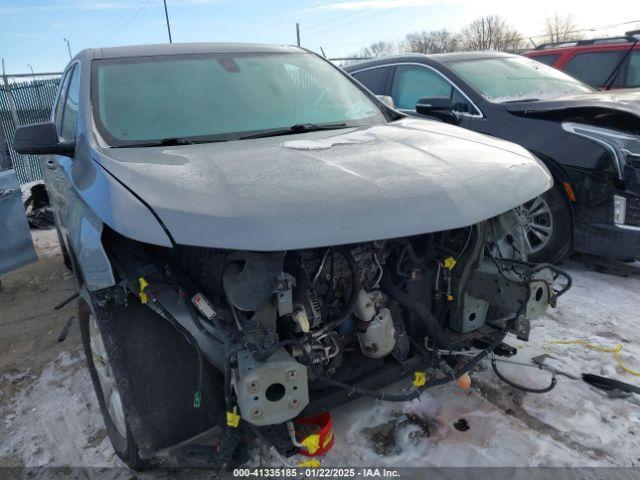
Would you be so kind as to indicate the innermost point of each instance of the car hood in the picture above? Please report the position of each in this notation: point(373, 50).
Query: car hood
point(627, 101)
point(328, 188)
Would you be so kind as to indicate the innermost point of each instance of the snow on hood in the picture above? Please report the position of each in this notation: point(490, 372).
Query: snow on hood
point(328, 188)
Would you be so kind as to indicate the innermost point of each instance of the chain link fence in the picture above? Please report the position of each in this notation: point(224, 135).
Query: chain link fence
point(24, 99)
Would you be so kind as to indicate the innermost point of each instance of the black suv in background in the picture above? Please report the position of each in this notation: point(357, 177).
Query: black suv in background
point(589, 140)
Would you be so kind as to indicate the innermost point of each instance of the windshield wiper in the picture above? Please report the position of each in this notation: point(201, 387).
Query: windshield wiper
point(608, 83)
point(166, 142)
point(297, 128)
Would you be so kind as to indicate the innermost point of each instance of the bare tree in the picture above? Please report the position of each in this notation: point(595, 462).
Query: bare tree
point(378, 49)
point(560, 29)
point(434, 41)
point(490, 33)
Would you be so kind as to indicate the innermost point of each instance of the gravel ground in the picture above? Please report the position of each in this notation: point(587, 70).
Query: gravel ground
point(50, 417)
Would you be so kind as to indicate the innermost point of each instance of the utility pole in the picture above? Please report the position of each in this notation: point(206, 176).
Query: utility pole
point(298, 33)
point(68, 48)
point(166, 16)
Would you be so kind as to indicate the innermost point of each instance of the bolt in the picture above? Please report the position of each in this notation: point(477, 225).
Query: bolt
point(294, 403)
point(292, 374)
point(253, 387)
point(256, 412)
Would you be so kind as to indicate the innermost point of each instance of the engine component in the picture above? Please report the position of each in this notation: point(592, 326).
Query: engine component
point(379, 338)
point(300, 317)
point(203, 306)
point(250, 279)
point(284, 292)
point(366, 305)
point(272, 391)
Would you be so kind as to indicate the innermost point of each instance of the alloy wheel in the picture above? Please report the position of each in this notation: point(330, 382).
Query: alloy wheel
point(110, 392)
point(536, 222)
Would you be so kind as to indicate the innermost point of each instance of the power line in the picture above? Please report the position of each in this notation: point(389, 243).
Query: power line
point(352, 22)
point(136, 11)
point(582, 30)
point(331, 20)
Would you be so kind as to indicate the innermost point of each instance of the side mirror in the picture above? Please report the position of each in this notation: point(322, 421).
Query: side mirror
point(41, 139)
point(438, 107)
point(387, 100)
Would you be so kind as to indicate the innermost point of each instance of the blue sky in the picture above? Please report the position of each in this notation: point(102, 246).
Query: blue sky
point(32, 31)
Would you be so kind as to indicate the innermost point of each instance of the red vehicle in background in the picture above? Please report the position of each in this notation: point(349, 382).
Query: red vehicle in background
point(604, 63)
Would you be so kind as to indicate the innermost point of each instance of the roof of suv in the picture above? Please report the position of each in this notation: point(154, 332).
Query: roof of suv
point(185, 49)
point(437, 57)
point(622, 41)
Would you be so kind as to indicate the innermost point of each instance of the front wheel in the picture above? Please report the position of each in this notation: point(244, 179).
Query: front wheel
point(547, 227)
point(107, 390)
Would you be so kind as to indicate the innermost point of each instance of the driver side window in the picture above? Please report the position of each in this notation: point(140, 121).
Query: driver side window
point(413, 82)
point(66, 109)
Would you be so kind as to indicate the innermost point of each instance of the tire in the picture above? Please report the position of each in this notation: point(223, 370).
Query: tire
point(117, 428)
point(547, 226)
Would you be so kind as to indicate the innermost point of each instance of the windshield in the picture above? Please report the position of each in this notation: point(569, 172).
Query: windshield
point(221, 96)
point(509, 79)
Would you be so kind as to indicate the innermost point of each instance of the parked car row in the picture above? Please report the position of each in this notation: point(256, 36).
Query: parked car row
point(589, 140)
point(257, 237)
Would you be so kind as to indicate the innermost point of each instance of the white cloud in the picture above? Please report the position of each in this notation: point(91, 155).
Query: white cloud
point(374, 4)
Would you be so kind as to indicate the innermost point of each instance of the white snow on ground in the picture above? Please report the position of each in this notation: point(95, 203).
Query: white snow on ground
point(46, 242)
point(56, 420)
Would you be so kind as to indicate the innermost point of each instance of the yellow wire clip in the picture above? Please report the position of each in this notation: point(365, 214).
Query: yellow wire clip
point(144, 298)
point(233, 419)
point(419, 379)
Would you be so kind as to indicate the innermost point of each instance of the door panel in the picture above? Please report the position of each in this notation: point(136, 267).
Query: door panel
point(16, 246)
point(57, 166)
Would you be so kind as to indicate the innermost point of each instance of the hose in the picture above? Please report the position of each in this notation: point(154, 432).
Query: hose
point(430, 322)
point(517, 386)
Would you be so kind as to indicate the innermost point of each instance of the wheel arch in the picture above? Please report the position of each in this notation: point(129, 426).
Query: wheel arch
point(157, 373)
point(561, 179)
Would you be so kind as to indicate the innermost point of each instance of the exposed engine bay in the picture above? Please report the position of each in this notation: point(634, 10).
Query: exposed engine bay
point(288, 327)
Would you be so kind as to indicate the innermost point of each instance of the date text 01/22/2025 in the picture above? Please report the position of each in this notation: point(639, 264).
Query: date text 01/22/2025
point(315, 472)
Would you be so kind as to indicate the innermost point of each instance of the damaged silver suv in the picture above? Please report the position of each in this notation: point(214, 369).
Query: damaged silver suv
point(256, 238)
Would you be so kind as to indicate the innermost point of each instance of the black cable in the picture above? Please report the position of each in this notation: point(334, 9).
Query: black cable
point(261, 355)
point(546, 389)
point(430, 322)
point(356, 286)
